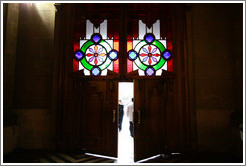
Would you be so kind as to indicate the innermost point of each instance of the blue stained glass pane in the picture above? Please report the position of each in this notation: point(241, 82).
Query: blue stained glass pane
point(79, 55)
point(96, 38)
point(132, 55)
point(113, 55)
point(150, 71)
point(166, 55)
point(149, 38)
point(95, 71)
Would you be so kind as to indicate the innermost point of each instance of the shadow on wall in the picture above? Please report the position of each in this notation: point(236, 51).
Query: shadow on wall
point(29, 99)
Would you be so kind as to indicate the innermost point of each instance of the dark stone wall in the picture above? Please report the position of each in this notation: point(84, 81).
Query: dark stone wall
point(10, 28)
point(28, 75)
point(11, 16)
point(217, 54)
point(34, 57)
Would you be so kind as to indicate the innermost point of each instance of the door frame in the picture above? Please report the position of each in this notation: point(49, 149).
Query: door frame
point(180, 89)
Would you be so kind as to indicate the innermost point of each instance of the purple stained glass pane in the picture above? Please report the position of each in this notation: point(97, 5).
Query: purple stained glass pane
point(95, 71)
point(166, 55)
point(79, 55)
point(145, 59)
point(149, 38)
point(91, 50)
point(154, 59)
point(91, 59)
point(150, 71)
point(96, 38)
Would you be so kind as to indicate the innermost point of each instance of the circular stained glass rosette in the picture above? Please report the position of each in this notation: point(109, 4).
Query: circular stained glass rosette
point(95, 55)
point(98, 54)
point(149, 54)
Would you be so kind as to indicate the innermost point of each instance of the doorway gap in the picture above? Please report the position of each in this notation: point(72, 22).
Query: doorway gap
point(125, 140)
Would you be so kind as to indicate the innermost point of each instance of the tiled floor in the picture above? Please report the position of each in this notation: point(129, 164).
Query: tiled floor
point(28, 156)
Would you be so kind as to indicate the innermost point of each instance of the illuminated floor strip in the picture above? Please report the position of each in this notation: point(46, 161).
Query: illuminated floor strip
point(97, 155)
point(150, 158)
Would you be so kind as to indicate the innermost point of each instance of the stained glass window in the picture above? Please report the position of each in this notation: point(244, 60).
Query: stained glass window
point(149, 53)
point(96, 53)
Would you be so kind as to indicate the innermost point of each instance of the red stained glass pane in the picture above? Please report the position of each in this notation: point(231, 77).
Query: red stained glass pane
point(129, 63)
point(170, 65)
point(116, 66)
point(129, 66)
point(116, 63)
point(75, 65)
point(76, 46)
point(170, 62)
point(169, 45)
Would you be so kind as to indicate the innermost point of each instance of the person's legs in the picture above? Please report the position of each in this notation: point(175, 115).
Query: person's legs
point(120, 122)
point(121, 114)
point(132, 129)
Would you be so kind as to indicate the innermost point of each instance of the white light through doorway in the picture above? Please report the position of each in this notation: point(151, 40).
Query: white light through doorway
point(125, 141)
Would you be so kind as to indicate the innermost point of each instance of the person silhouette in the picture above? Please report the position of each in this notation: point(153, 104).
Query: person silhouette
point(121, 114)
point(130, 110)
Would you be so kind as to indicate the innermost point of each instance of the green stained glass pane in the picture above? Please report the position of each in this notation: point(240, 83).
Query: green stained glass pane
point(160, 64)
point(106, 45)
point(159, 45)
point(105, 64)
point(140, 64)
point(86, 64)
point(86, 45)
point(139, 45)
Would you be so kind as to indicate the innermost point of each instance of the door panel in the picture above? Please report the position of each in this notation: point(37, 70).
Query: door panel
point(99, 131)
point(150, 107)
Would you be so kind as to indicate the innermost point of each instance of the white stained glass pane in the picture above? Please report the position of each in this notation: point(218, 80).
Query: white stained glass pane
point(87, 72)
point(134, 66)
point(110, 67)
point(89, 29)
point(104, 72)
point(110, 42)
point(96, 30)
point(81, 66)
point(164, 42)
point(81, 43)
point(158, 72)
point(103, 29)
point(141, 72)
point(156, 29)
point(134, 43)
point(165, 66)
point(149, 30)
point(141, 29)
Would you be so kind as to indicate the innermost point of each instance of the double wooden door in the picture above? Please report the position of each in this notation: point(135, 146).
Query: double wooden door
point(98, 109)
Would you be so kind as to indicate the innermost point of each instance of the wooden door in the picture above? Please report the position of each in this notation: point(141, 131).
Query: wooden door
point(99, 117)
point(150, 106)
